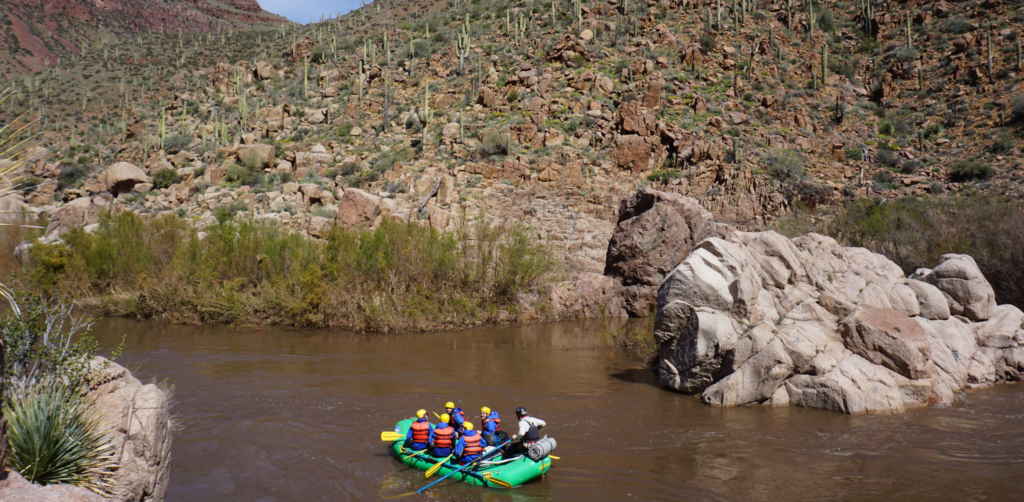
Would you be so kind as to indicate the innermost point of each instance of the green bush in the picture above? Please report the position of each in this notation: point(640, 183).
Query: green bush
point(708, 43)
point(492, 142)
point(663, 175)
point(956, 24)
point(826, 20)
point(970, 170)
point(57, 437)
point(887, 157)
point(785, 163)
point(164, 178)
point(318, 55)
point(854, 153)
point(177, 143)
point(1002, 142)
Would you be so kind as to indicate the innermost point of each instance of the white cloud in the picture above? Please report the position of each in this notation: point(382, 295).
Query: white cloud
point(301, 11)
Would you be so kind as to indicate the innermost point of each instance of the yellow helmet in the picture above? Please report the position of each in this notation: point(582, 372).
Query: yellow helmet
point(468, 426)
point(449, 404)
point(421, 413)
point(486, 410)
point(445, 418)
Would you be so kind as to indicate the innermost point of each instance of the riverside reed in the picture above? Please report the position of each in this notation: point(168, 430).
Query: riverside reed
point(397, 276)
point(915, 232)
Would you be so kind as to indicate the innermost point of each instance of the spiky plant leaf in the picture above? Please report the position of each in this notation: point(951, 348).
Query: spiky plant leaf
point(57, 437)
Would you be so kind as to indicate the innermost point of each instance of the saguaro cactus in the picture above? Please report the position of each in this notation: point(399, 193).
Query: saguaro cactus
point(910, 39)
point(462, 43)
point(824, 64)
point(991, 50)
point(577, 12)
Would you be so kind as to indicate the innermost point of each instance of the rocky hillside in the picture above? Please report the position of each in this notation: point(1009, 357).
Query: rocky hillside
point(37, 34)
point(545, 113)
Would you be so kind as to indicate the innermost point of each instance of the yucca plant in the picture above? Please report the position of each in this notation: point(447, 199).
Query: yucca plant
point(56, 436)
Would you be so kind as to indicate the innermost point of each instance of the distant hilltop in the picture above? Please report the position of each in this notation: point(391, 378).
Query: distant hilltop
point(34, 33)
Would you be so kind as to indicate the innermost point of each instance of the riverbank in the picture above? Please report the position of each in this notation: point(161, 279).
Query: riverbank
point(397, 276)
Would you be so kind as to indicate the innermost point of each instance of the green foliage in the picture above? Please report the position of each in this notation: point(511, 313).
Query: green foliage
point(854, 153)
point(785, 163)
point(1002, 142)
point(663, 175)
point(708, 43)
point(249, 271)
point(56, 436)
point(177, 143)
point(512, 96)
point(956, 24)
point(43, 342)
point(227, 212)
point(164, 178)
point(826, 20)
point(970, 170)
point(71, 175)
point(887, 157)
point(319, 55)
point(492, 142)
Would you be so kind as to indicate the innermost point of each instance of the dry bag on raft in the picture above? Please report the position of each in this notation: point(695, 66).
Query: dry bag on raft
point(541, 449)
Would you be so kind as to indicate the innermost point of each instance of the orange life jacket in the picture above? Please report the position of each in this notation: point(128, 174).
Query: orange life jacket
point(443, 437)
point(420, 432)
point(497, 423)
point(451, 419)
point(472, 445)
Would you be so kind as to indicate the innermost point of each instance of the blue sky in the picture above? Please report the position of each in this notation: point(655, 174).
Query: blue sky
point(301, 10)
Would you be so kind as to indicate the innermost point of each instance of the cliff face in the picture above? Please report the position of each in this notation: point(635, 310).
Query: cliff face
point(34, 33)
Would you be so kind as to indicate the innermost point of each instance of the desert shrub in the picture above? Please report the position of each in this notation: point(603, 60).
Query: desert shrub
point(887, 157)
point(841, 67)
point(663, 175)
point(909, 166)
point(785, 163)
point(826, 20)
point(1017, 108)
point(164, 178)
point(708, 43)
point(177, 143)
point(512, 96)
point(318, 55)
point(956, 24)
point(1002, 142)
point(245, 270)
point(492, 142)
point(854, 153)
point(73, 174)
point(56, 436)
point(885, 128)
point(227, 212)
point(905, 54)
point(244, 176)
point(970, 170)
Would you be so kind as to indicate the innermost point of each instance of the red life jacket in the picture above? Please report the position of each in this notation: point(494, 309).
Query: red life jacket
point(420, 432)
point(451, 419)
point(472, 445)
point(443, 437)
point(497, 423)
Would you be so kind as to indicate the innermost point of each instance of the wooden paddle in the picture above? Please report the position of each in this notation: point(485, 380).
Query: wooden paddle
point(437, 467)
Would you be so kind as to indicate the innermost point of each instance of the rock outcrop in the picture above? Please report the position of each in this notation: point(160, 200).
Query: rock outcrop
point(139, 418)
point(655, 231)
point(760, 318)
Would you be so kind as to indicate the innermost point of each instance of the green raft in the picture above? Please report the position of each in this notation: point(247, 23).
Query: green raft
point(515, 472)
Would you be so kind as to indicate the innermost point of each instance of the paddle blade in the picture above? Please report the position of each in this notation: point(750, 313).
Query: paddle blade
point(495, 481)
point(436, 415)
point(554, 457)
point(436, 467)
point(390, 436)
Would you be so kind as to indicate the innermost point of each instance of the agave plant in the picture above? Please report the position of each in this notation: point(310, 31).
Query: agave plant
point(56, 436)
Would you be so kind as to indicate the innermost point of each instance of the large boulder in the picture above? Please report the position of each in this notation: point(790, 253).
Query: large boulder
point(760, 318)
point(357, 208)
point(260, 156)
point(13, 208)
point(122, 176)
point(965, 288)
point(78, 213)
point(655, 232)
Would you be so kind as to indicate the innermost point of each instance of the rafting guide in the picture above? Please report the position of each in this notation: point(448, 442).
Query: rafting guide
point(483, 456)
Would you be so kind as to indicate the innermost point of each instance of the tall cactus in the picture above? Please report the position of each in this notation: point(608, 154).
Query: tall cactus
point(387, 49)
point(910, 40)
point(577, 12)
point(426, 106)
point(824, 64)
point(305, 77)
point(810, 18)
point(462, 43)
point(991, 50)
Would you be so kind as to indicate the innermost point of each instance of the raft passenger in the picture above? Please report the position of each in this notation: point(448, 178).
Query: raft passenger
point(442, 438)
point(529, 432)
point(490, 423)
point(470, 445)
point(419, 432)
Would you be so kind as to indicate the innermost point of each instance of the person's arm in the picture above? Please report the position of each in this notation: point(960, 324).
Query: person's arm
point(430, 439)
point(524, 427)
point(459, 445)
point(539, 423)
point(408, 435)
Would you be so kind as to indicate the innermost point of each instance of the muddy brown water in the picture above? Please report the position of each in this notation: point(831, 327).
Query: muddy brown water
point(286, 415)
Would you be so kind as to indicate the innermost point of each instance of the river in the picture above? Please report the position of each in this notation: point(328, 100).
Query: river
point(288, 415)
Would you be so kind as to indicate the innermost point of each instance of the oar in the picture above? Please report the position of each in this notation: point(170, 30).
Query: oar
point(489, 477)
point(460, 469)
point(391, 436)
point(414, 454)
point(436, 415)
point(554, 457)
point(437, 466)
